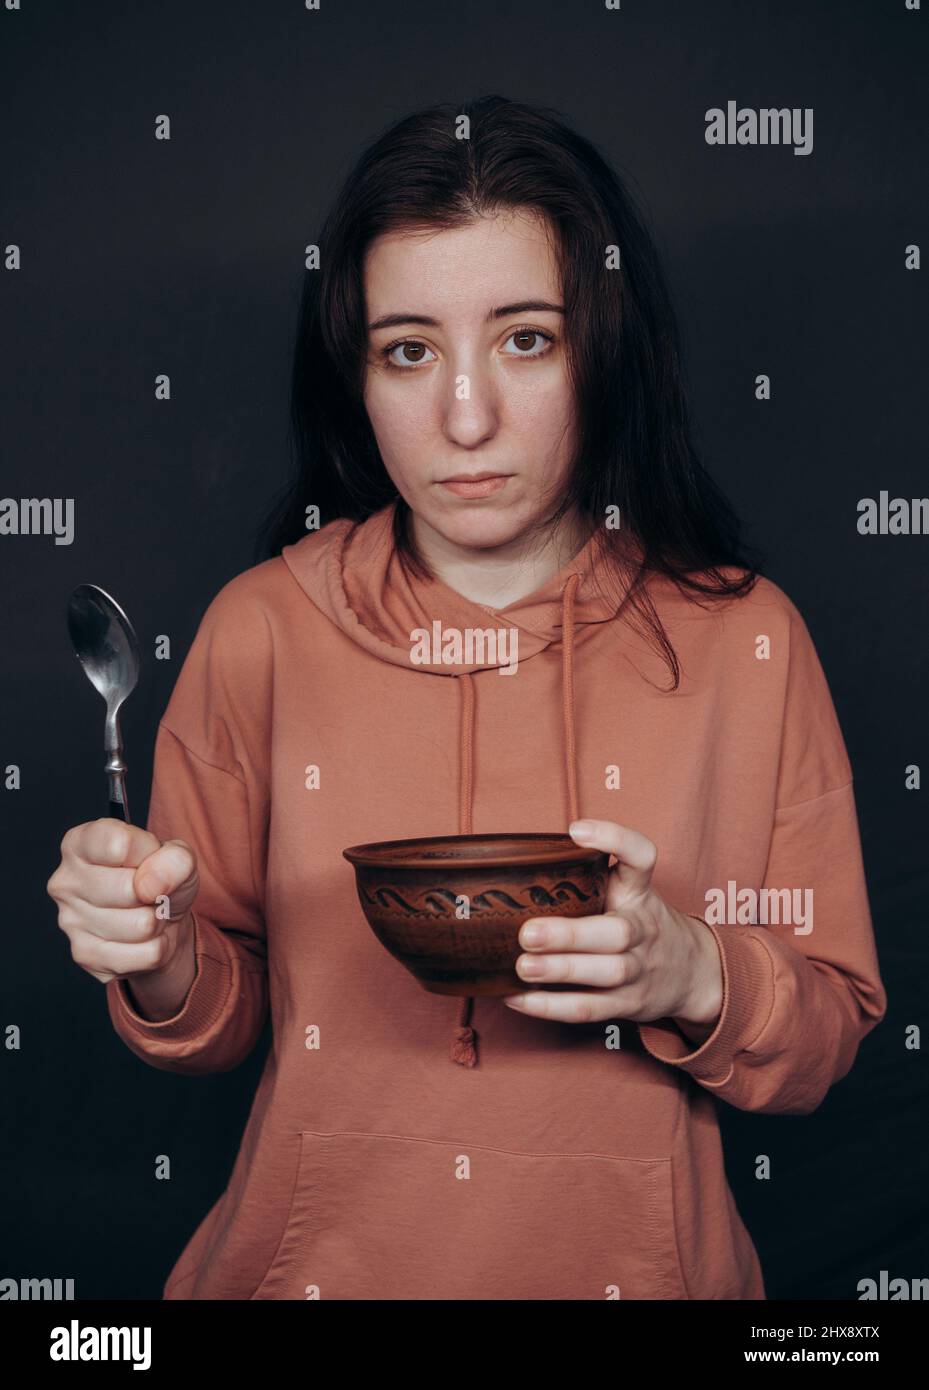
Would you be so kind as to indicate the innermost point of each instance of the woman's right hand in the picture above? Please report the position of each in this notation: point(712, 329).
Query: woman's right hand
point(107, 886)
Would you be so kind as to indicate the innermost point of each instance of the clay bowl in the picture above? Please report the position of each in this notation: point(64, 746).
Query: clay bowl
point(415, 894)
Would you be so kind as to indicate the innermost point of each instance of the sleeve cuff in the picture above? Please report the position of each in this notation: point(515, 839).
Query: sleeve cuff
point(748, 1001)
point(206, 1000)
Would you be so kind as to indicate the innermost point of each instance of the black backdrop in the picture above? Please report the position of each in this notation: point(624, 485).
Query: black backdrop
point(184, 257)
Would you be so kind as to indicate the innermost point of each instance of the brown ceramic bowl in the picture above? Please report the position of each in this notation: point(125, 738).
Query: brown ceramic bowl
point(409, 890)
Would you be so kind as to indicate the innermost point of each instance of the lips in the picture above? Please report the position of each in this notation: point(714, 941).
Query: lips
point(481, 485)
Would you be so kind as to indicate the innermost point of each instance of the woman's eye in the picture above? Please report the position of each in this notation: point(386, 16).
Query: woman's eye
point(523, 337)
point(412, 353)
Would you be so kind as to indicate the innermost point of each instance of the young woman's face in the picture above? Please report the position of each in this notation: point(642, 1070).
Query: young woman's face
point(469, 377)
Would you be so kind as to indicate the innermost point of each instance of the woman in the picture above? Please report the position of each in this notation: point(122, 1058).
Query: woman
point(486, 381)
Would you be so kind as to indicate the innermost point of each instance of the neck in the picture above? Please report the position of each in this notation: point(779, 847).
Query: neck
point(502, 574)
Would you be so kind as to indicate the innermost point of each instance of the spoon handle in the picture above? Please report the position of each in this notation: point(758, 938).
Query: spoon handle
point(119, 802)
point(116, 768)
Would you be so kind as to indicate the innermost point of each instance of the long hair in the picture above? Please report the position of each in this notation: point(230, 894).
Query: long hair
point(634, 450)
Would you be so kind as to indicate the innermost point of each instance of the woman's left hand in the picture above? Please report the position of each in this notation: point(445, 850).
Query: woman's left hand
point(641, 960)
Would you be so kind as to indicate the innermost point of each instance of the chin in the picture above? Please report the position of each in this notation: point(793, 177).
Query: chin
point(480, 527)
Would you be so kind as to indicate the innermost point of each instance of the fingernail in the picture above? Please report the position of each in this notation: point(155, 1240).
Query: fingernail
point(581, 827)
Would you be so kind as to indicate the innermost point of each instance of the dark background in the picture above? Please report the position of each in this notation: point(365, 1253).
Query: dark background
point(186, 257)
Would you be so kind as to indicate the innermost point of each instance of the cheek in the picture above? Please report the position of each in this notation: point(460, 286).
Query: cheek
point(545, 418)
point(398, 418)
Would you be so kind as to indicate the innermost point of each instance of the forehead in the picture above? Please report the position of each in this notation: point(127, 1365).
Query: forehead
point(506, 256)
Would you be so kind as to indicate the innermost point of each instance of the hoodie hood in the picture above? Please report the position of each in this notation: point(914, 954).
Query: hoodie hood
point(353, 573)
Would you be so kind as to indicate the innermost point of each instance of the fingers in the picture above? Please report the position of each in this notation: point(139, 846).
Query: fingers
point(92, 880)
point(108, 841)
point(609, 932)
point(110, 959)
point(133, 924)
point(91, 869)
point(567, 1007)
point(595, 951)
point(603, 971)
point(636, 855)
point(106, 887)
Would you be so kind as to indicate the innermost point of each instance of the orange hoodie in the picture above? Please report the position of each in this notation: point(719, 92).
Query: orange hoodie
point(553, 1164)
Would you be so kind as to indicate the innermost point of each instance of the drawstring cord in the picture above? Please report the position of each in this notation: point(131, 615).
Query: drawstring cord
point(567, 693)
point(464, 1040)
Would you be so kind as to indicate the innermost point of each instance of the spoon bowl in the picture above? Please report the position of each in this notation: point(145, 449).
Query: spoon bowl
point(106, 645)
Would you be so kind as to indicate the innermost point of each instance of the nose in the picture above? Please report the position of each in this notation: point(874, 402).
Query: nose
point(471, 407)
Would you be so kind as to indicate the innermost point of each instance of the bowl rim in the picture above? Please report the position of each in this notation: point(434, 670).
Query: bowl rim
point(376, 854)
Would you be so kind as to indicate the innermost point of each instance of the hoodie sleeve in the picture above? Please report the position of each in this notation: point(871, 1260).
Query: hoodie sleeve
point(798, 996)
point(214, 799)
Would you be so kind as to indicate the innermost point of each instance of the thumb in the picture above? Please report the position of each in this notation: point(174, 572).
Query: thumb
point(171, 871)
point(635, 855)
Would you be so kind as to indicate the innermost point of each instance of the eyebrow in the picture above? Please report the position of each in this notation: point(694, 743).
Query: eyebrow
point(522, 306)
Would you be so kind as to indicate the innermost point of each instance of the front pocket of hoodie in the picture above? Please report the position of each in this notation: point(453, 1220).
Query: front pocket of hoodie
point(378, 1216)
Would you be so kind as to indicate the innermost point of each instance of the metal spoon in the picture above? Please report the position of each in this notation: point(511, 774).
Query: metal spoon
point(105, 643)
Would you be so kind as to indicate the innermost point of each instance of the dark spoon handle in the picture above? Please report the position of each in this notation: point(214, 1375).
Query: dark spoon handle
point(118, 811)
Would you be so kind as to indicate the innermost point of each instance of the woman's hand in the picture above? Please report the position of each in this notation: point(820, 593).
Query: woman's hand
point(125, 904)
point(641, 960)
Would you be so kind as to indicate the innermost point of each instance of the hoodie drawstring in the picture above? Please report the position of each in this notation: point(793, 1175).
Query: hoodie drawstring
point(464, 1040)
